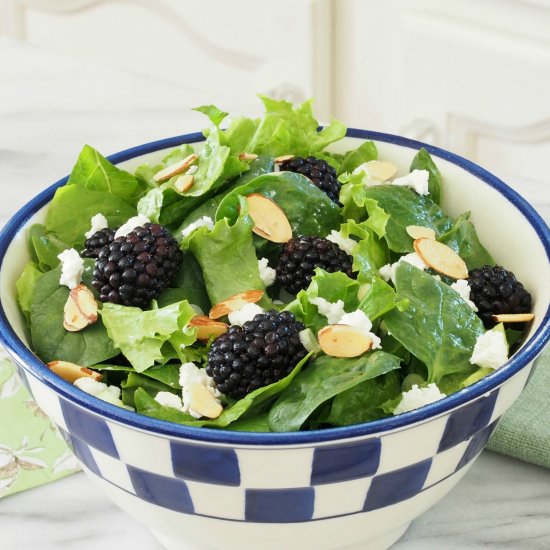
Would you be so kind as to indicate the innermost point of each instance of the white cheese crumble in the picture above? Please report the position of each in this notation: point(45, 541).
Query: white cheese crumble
point(167, 399)
point(72, 267)
point(205, 221)
point(417, 397)
point(246, 313)
point(267, 274)
point(131, 224)
point(191, 375)
point(110, 394)
point(490, 350)
point(98, 222)
point(387, 272)
point(332, 311)
point(359, 320)
point(463, 288)
point(344, 243)
point(417, 179)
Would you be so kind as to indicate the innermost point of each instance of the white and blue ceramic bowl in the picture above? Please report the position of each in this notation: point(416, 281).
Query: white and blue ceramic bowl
point(353, 487)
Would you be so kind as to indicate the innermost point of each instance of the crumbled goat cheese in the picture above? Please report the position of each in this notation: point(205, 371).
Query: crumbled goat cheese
point(98, 222)
point(131, 224)
point(246, 313)
point(167, 399)
point(344, 243)
point(191, 375)
point(267, 274)
point(332, 311)
point(490, 350)
point(387, 271)
point(417, 179)
point(205, 221)
point(72, 267)
point(418, 397)
point(463, 288)
point(110, 394)
point(361, 321)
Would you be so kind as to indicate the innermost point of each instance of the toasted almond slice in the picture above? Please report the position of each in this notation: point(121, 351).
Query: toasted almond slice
point(174, 169)
point(343, 341)
point(382, 170)
point(440, 257)
point(235, 302)
point(248, 156)
point(207, 327)
point(270, 221)
point(203, 402)
point(71, 372)
point(80, 309)
point(513, 317)
point(419, 232)
point(282, 158)
point(184, 183)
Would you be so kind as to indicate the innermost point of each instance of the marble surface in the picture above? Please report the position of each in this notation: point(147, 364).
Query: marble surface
point(50, 105)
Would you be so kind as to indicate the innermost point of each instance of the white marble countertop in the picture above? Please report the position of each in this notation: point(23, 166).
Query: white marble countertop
point(50, 105)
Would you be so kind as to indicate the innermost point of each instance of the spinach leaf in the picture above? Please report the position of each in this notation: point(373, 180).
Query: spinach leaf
point(380, 298)
point(227, 258)
point(26, 284)
point(44, 247)
point(73, 206)
point(49, 338)
point(363, 403)
point(463, 239)
point(308, 209)
point(364, 153)
point(140, 334)
point(141, 383)
point(405, 207)
point(438, 327)
point(322, 380)
point(423, 161)
point(258, 424)
point(94, 172)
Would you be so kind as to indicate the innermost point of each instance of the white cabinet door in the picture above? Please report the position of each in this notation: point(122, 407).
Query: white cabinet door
point(470, 75)
point(241, 47)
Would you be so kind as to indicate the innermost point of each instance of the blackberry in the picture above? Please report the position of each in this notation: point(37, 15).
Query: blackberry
point(495, 290)
point(134, 269)
point(302, 255)
point(259, 353)
point(97, 241)
point(319, 171)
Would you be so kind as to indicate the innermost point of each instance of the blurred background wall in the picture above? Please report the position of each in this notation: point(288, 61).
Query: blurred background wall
point(470, 75)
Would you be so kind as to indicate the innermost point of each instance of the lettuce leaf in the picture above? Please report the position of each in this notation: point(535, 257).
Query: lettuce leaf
point(423, 161)
point(364, 153)
point(140, 334)
point(44, 247)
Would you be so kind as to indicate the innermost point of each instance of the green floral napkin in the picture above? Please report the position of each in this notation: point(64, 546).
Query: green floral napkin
point(31, 450)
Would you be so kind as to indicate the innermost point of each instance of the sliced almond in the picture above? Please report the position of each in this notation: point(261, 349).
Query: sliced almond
point(174, 169)
point(440, 257)
point(248, 156)
point(203, 402)
point(80, 309)
point(71, 372)
point(382, 170)
point(235, 302)
point(513, 317)
point(282, 158)
point(419, 232)
point(343, 341)
point(184, 183)
point(270, 221)
point(207, 327)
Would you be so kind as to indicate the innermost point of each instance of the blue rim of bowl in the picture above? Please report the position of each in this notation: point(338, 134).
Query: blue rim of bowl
point(143, 423)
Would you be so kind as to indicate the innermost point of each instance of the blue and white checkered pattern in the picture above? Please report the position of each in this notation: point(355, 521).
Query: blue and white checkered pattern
point(280, 484)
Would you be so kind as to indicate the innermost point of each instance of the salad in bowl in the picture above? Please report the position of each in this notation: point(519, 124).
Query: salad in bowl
point(260, 282)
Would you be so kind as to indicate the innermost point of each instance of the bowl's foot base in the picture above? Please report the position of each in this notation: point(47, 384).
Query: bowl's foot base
point(379, 543)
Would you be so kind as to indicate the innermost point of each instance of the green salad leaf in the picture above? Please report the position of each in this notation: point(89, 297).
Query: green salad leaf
point(140, 334)
point(322, 380)
point(364, 153)
point(438, 326)
point(25, 285)
point(44, 247)
point(380, 299)
point(423, 161)
point(308, 209)
point(49, 338)
point(146, 384)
